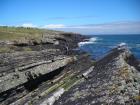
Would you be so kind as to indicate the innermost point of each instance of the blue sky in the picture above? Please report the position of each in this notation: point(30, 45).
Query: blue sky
point(83, 16)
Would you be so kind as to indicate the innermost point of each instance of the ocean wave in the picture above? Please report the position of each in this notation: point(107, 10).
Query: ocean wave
point(138, 45)
point(118, 45)
point(93, 39)
point(90, 41)
point(122, 44)
point(130, 45)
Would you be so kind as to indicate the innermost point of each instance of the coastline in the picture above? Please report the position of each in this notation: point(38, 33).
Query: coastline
point(104, 43)
point(46, 70)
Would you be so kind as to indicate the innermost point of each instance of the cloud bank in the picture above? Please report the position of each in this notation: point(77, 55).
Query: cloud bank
point(52, 26)
point(28, 25)
point(123, 27)
point(126, 27)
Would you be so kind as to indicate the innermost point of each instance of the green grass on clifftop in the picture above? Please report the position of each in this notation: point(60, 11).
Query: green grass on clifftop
point(16, 33)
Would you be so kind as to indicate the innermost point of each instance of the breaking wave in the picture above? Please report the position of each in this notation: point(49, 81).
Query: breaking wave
point(122, 44)
point(90, 41)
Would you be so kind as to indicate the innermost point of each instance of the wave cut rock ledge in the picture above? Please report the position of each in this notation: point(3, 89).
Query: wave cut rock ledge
point(114, 80)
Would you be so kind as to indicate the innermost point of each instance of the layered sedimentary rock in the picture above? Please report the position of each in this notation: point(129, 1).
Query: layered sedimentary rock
point(33, 68)
point(42, 67)
point(114, 80)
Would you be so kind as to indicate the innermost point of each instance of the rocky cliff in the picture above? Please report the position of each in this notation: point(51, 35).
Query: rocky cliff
point(36, 62)
point(42, 67)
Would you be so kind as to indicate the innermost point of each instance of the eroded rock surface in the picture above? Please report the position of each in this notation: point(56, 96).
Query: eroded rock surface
point(113, 80)
point(32, 69)
point(42, 67)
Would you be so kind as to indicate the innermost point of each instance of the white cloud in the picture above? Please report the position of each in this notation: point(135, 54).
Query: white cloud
point(126, 27)
point(28, 25)
point(53, 26)
point(123, 27)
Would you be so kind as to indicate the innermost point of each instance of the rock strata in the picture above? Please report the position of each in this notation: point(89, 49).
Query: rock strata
point(32, 69)
point(113, 80)
point(42, 67)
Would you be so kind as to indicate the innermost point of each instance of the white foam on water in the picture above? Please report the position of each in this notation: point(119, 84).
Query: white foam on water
point(90, 41)
point(93, 39)
point(122, 44)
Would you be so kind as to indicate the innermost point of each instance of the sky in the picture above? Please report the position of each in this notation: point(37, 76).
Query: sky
point(82, 16)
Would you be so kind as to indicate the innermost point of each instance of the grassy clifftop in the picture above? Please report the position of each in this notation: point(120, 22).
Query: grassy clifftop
point(16, 33)
point(21, 38)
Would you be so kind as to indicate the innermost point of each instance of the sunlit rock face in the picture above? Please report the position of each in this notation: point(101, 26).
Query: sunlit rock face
point(37, 66)
point(115, 79)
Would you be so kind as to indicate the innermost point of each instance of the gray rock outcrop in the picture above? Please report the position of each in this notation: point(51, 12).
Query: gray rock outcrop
point(33, 68)
point(113, 80)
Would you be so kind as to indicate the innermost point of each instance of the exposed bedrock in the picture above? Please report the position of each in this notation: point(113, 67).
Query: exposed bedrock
point(47, 70)
point(114, 80)
point(32, 69)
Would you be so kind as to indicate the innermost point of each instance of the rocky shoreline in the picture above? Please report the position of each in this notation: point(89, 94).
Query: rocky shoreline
point(47, 70)
point(113, 80)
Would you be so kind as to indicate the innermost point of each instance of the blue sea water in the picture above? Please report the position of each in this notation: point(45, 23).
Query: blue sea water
point(99, 45)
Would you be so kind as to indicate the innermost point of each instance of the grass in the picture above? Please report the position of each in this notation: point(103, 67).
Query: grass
point(16, 33)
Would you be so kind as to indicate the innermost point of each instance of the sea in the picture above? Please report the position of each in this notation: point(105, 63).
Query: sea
point(99, 45)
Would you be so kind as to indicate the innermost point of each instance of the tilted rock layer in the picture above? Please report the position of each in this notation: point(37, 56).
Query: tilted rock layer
point(112, 81)
point(36, 62)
